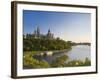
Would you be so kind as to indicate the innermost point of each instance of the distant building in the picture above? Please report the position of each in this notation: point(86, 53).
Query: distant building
point(37, 34)
point(49, 34)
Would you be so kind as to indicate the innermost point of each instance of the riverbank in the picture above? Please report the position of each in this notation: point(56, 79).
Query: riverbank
point(46, 53)
point(77, 56)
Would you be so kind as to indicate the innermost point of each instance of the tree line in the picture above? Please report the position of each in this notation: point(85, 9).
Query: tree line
point(39, 44)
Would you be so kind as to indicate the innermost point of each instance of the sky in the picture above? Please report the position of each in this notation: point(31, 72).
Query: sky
point(69, 26)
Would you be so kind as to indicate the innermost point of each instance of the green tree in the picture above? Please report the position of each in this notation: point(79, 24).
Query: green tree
point(87, 61)
point(60, 61)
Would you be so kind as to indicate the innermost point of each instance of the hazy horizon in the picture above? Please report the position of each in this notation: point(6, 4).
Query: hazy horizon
point(69, 26)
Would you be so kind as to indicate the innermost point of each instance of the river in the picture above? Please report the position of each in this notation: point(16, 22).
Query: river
point(79, 52)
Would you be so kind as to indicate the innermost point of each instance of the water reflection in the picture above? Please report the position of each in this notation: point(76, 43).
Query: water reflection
point(79, 52)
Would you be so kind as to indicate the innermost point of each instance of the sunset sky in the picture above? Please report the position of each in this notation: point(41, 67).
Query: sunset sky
point(69, 26)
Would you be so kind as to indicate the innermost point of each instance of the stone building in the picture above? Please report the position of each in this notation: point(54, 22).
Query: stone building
point(37, 34)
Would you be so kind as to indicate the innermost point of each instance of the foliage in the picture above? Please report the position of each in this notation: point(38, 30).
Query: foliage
point(43, 44)
point(73, 63)
point(30, 62)
point(32, 46)
point(87, 61)
point(60, 61)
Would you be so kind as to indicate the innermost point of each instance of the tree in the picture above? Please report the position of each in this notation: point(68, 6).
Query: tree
point(87, 61)
point(60, 61)
point(30, 62)
point(41, 44)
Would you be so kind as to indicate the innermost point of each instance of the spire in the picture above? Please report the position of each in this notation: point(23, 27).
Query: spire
point(35, 32)
point(49, 31)
point(38, 31)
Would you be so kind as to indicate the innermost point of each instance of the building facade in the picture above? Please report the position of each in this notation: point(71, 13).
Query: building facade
point(37, 34)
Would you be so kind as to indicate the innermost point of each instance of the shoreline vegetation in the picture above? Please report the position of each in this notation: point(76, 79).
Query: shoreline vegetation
point(32, 63)
point(38, 45)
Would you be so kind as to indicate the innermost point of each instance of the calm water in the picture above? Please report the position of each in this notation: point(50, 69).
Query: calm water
point(79, 52)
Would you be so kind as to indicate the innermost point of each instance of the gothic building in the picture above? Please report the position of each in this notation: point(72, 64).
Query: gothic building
point(37, 34)
point(49, 34)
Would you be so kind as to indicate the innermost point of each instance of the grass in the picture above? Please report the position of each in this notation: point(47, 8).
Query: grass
point(35, 63)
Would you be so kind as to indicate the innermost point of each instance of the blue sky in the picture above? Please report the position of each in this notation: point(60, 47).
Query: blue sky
point(71, 26)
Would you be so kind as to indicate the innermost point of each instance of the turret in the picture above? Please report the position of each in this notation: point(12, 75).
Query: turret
point(49, 34)
point(38, 32)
